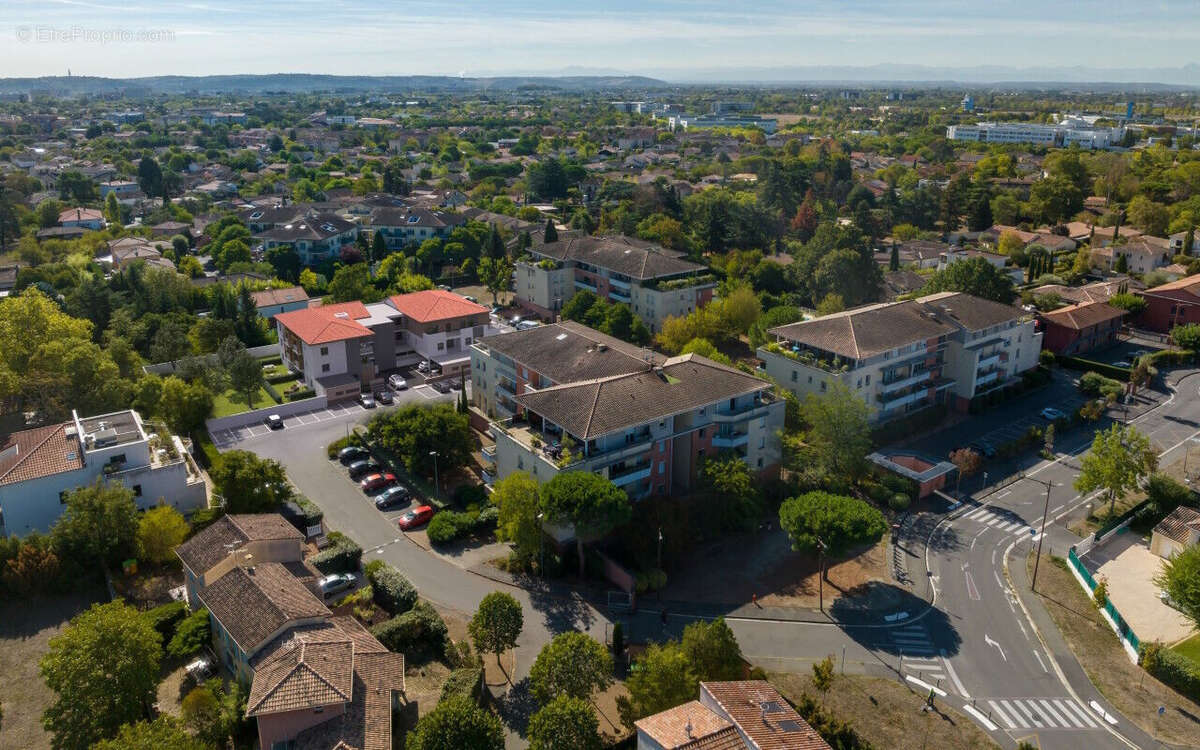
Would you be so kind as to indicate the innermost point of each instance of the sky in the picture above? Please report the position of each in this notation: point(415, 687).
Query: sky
point(678, 40)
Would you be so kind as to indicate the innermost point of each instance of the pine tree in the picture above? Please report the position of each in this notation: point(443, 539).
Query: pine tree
point(894, 261)
point(378, 247)
point(551, 232)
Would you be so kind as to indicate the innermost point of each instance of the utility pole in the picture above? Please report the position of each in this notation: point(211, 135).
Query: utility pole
point(821, 573)
point(1042, 537)
point(541, 546)
point(437, 485)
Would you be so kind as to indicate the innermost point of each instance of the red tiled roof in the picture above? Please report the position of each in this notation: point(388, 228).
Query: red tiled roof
point(80, 214)
point(279, 296)
point(322, 325)
point(685, 724)
point(1186, 289)
point(434, 304)
point(762, 714)
point(1083, 315)
point(40, 452)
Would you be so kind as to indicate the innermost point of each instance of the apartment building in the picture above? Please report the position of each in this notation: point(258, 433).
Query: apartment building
point(505, 365)
point(341, 349)
point(402, 226)
point(1068, 132)
point(647, 431)
point(316, 237)
point(655, 282)
point(1173, 304)
point(38, 467)
point(900, 357)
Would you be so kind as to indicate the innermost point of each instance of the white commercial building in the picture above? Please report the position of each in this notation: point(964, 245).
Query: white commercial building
point(1068, 132)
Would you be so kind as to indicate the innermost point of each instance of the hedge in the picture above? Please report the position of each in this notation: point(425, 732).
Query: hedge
point(1078, 363)
point(192, 634)
point(203, 449)
point(470, 494)
point(343, 556)
point(270, 389)
point(466, 682)
point(301, 512)
point(1095, 384)
point(449, 525)
point(1171, 668)
point(272, 360)
point(166, 618)
point(287, 377)
point(300, 394)
point(419, 633)
point(393, 592)
point(1172, 357)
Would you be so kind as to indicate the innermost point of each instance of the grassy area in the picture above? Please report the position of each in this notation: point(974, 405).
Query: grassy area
point(887, 713)
point(276, 370)
point(1189, 648)
point(230, 403)
point(1131, 690)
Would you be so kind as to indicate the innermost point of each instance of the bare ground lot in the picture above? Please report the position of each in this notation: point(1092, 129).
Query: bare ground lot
point(26, 628)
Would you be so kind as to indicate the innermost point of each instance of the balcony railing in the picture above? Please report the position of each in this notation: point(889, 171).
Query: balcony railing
point(619, 284)
point(619, 296)
point(628, 475)
point(893, 385)
point(582, 284)
point(730, 440)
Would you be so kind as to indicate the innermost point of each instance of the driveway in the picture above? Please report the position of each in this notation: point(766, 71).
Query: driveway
point(1130, 568)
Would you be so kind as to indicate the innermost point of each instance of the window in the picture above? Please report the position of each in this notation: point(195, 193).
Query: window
point(137, 490)
point(441, 345)
point(62, 497)
point(702, 411)
point(662, 468)
point(325, 367)
point(760, 463)
point(823, 386)
point(795, 376)
point(868, 380)
point(701, 433)
point(324, 350)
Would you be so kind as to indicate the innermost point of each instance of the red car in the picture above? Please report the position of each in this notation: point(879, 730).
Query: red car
point(415, 517)
point(377, 481)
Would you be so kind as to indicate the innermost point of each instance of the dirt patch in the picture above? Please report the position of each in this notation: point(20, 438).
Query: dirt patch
point(1131, 690)
point(611, 728)
point(887, 713)
point(763, 564)
point(26, 628)
point(149, 587)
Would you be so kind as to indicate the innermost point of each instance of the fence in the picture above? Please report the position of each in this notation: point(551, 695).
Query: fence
point(1125, 632)
point(166, 368)
point(256, 416)
point(1109, 529)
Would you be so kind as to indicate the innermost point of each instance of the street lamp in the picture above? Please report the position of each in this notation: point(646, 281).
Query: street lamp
point(821, 574)
point(660, 541)
point(437, 488)
point(1042, 537)
point(541, 546)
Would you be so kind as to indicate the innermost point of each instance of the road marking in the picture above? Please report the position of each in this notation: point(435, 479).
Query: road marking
point(979, 717)
point(1039, 658)
point(1004, 494)
point(925, 685)
point(998, 582)
point(1079, 712)
point(1100, 710)
point(975, 513)
point(1058, 508)
point(1003, 716)
point(972, 591)
point(988, 640)
point(1034, 718)
point(1052, 714)
point(954, 676)
point(1017, 718)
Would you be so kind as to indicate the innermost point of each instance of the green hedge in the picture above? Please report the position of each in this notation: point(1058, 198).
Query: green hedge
point(191, 635)
point(419, 634)
point(273, 360)
point(274, 394)
point(302, 512)
point(1095, 384)
point(1171, 668)
point(392, 591)
point(287, 377)
point(343, 442)
point(1079, 363)
point(166, 618)
point(470, 494)
point(448, 525)
point(301, 394)
point(1172, 357)
point(466, 682)
point(203, 449)
point(343, 556)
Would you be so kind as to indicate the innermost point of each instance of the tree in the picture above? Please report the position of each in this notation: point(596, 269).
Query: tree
point(112, 209)
point(840, 522)
point(590, 503)
point(1010, 244)
point(245, 375)
point(99, 525)
point(832, 303)
point(551, 232)
point(191, 635)
point(249, 484)
point(1133, 304)
point(713, 651)
point(894, 258)
point(823, 675)
point(149, 176)
point(1180, 578)
point(349, 283)
point(184, 405)
point(565, 724)
point(160, 531)
point(573, 664)
point(104, 669)
point(547, 179)
point(1118, 460)
point(967, 461)
point(379, 248)
point(516, 496)
point(974, 276)
point(1187, 336)
point(495, 274)
point(28, 322)
point(496, 624)
point(456, 723)
point(413, 432)
point(212, 713)
point(839, 430)
point(664, 679)
point(164, 733)
point(286, 262)
point(740, 308)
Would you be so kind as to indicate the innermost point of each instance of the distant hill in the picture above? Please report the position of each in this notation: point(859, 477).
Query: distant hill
point(304, 83)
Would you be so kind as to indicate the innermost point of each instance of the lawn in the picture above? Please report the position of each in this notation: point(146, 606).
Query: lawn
point(230, 403)
point(887, 713)
point(1189, 648)
point(1131, 690)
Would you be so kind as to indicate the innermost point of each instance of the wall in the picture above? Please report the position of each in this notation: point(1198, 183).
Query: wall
point(279, 727)
point(166, 368)
point(258, 415)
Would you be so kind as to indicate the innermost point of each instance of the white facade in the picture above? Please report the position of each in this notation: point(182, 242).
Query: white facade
point(1067, 133)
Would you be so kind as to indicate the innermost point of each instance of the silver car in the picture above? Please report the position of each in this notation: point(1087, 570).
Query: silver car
point(332, 584)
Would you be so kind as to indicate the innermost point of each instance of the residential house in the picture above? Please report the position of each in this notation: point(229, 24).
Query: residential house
point(1179, 239)
point(504, 366)
point(919, 253)
point(1172, 304)
point(1098, 291)
point(315, 238)
point(84, 218)
point(126, 250)
point(61, 233)
point(217, 188)
point(40, 466)
point(996, 260)
point(900, 357)
point(271, 302)
point(122, 188)
point(169, 229)
point(1080, 328)
point(402, 226)
point(340, 349)
point(1142, 254)
point(647, 431)
point(8, 279)
point(655, 282)
point(1175, 533)
point(737, 715)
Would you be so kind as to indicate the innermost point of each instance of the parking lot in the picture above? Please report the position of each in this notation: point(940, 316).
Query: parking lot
point(1129, 566)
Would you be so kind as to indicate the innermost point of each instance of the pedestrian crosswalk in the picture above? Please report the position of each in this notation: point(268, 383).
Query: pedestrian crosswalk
point(1002, 520)
point(912, 640)
point(1041, 713)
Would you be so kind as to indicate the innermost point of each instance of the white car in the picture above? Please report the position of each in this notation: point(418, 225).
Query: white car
point(332, 584)
point(397, 383)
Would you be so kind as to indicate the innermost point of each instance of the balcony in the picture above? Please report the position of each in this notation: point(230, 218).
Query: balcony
point(507, 386)
point(894, 385)
point(755, 409)
point(619, 284)
point(583, 284)
point(489, 453)
point(730, 440)
point(988, 377)
point(619, 296)
point(629, 475)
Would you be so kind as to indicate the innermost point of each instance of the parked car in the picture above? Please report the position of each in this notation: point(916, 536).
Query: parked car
point(1122, 363)
point(983, 448)
point(525, 325)
point(395, 495)
point(363, 467)
point(423, 366)
point(383, 397)
point(441, 386)
point(397, 383)
point(352, 453)
point(515, 320)
point(416, 517)
point(274, 421)
point(199, 669)
point(376, 481)
point(335, 582)
point(367, 401)
point(1051, 414)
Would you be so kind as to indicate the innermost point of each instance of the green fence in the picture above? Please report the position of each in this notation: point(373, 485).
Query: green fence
point(1123, 630)
point(1113, 523)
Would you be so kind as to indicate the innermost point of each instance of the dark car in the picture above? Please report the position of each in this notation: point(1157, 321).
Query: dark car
point(362, 467)
point(393, 496)
point(274, 421)
point(352, 453)
point(441, 386)
point(415, 517)
point(383, 397)
point(983, 448)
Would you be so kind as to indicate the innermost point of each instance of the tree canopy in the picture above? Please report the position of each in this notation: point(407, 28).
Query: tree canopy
point(974, 276)
point(496, 624)
point(249, 484)
point(572, 664)
point(1118, 460)
point(841, 523)
point(565, 723)
point(412, 432)
point(456, 723)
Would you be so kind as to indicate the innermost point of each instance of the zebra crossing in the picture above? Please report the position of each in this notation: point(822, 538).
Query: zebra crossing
point(912, 640)
point(1002, 520)
point(1042, 713)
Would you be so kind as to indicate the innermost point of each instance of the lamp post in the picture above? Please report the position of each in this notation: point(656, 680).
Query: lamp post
point(1042, 536)
point(437, 488)
point(660, 541)
point(821, 574)
point(541, 546)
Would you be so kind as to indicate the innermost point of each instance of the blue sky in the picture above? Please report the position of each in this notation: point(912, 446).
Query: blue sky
point(674, 39)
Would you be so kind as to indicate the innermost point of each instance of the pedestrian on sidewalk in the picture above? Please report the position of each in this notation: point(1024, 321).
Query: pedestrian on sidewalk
point(754, 600)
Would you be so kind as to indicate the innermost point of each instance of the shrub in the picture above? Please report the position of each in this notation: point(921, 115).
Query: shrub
point(166, 618)
point(899, 502)
point(1095, 384)
point(448, 525)
point(1112, 371)
point(466, 682)
point(300, 394)
point(1172, 668)
point(466, 495)
point(342, 442)
point(1046, 358)
point(393, 592)
point(301, 513)
point(203, 450)
point(274, 394)
point(191, 635)
point(343, 555)
point(419, 634)
point(650, 580)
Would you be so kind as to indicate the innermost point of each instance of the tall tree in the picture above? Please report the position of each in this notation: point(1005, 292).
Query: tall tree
point(840, 523)
point(516, 495)
point(249, 484)
point(457, 723)
point(713, 650)
point(665, 678)
point(495, 274)
point(592, 504)
point(572, 664)
point(104, 669)
point(1117, 462)
point(1180, 578)
point(245, 376)
point(150, 176)
point(496, 624)
point(565, 724)
point(551, 232)
point(164, 733)
point(99, 525)
point(839, 430)
point(160, 531)
point(974, 276)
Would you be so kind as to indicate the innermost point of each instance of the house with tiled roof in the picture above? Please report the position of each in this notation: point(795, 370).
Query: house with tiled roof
point(342, 348)
point(1175, 533)
point(241, 539)
point(84, 218)
point(315, 237)
point(901, 357)
point(655, 282)
point(1172, 304)
point(271, 302)
point(1142, 254)
point(401, 226)
point(735, 715)
point(1080, 328)
point(647, 427)
point(40, 466)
